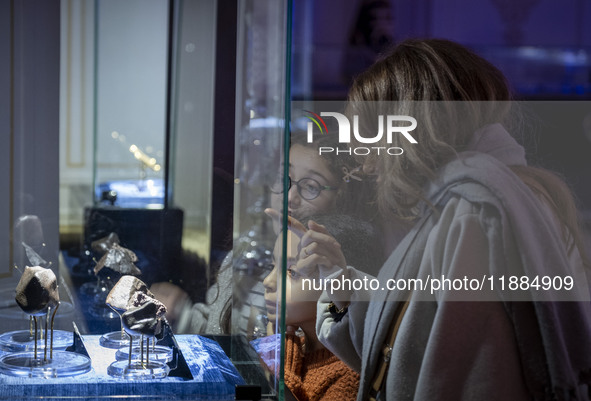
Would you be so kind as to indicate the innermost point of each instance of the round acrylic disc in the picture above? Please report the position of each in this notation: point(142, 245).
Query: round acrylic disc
point(137, 370)
point(116, 339)
point(157, 353)
point(23, 340)
point(60, 364)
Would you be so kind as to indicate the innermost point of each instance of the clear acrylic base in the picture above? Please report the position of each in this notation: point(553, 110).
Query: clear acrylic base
point(23, 340)
point(157, 353)
point(116, 339)
point(136, 370)
point(61, 364)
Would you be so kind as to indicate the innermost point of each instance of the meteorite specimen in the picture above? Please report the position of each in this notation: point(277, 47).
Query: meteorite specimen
point(37, 291)
point(144, 319)
point(139, 298)
point(102, 245)
point(119, 259)
point(122, 293)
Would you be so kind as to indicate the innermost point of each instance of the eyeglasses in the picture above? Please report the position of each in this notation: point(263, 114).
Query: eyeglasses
point(308, 188)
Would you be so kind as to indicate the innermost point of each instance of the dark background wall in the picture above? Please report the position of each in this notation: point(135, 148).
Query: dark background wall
point(542, 46)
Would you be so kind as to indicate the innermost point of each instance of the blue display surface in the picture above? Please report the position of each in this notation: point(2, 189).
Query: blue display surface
point(214, 377)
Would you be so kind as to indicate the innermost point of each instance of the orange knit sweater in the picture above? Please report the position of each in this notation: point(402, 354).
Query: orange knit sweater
point(317, 375)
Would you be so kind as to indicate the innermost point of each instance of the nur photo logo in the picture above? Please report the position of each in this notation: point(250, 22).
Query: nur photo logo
point(388, 125)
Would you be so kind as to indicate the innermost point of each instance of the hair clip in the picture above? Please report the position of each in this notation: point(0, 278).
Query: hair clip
point(351, 174)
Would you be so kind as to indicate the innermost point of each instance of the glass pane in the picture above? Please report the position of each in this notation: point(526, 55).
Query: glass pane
point(260, 115)
point(116, 158)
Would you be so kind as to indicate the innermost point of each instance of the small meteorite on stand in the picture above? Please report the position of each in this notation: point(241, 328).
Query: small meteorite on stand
point(145, 321)
point(37, 295)
point(118, 299)
point(116, 261)
point(142, 316)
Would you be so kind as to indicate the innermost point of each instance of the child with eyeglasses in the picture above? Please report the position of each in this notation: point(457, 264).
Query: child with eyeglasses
point(320, 184)
point(317, 185)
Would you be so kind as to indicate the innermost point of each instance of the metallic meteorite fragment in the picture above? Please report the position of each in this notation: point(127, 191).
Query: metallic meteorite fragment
point(37, 291)
point(144, 319)
point(102, 245)
point(120, 260)
point(123, 292)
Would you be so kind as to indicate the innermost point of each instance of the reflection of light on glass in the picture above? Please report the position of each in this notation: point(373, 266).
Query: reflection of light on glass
point(144, 158)
point(574, 58)
point(532, 52)
point(269, 122)
point(559, 56)
point(153, 189)
point(114, 134)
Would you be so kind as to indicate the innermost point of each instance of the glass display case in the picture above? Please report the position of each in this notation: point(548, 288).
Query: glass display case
point(172, 133)
point(145, 169)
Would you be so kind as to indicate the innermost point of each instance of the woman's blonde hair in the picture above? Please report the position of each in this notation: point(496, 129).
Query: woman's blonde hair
point(418, 75)
point(453, 92)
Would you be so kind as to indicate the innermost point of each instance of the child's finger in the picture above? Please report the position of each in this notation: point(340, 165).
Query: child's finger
point(312, 225)
point(330, 252)
point(296, 226)
point(321, 238)
point(273, 213)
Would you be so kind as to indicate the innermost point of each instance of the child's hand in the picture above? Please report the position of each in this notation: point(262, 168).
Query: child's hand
point(319, 252)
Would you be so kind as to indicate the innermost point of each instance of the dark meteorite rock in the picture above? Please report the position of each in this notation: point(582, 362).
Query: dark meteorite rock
point(139, 298)
point(37, 290)
point(143, 320)
point(102, 245)
point(120, 260)
point(120, 296)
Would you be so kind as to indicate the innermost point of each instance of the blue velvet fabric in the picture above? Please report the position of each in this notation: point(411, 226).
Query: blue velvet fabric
point(214, 377)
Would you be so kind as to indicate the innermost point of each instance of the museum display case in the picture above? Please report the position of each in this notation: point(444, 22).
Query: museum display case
point(145, 140)
point(171, 133)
